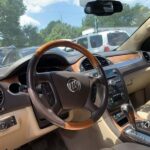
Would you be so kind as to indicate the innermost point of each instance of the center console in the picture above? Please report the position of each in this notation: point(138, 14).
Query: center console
point(117, 90)
point(122, 112)
point(117, 96)
point(138, 131)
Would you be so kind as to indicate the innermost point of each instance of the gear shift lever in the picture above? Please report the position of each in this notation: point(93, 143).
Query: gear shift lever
point(133, 132)
point(128, 111)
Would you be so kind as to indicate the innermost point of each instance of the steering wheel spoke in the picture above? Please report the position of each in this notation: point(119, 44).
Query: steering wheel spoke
point(42, 77)
point(91, 107)
point(97, 79)
point(51, 95)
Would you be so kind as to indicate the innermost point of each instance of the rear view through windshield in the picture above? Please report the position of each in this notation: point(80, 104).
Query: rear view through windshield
point(115, 39)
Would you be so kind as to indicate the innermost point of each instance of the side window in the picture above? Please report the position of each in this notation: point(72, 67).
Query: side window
point(83, 42)
point(117, 38)
point(96, 41)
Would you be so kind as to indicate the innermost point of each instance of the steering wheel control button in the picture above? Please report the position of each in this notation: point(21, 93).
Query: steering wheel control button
point(7, 123)
point(48, 93)
point(74, 85)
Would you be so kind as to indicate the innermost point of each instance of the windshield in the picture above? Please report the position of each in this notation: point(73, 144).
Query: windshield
point(27, 24)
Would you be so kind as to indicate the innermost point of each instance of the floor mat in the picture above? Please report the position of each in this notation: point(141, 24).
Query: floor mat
point(50, 141)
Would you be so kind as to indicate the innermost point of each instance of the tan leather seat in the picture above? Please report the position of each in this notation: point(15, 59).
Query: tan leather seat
point(128, 146)
point(144, 111)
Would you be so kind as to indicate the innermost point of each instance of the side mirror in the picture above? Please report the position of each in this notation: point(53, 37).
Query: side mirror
point(103, 8)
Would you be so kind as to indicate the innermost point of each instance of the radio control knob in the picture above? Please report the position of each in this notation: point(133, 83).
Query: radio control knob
point(114, 71)
point(111, 82)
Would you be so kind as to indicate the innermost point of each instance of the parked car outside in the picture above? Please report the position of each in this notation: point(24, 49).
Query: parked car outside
point(4, 51)
point(17, 54)
point(104, 41)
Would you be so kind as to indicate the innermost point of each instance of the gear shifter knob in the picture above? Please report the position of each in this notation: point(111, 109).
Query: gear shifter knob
point(128, 111)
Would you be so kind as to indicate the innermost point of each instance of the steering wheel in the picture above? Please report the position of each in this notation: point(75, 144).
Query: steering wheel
point(71, 90)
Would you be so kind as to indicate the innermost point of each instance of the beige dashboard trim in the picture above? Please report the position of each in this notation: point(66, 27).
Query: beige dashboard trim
point(12, 129)
point(109, 137)
point(137, 80)
point(137, 39)
point(26, 130)
point(105, 135)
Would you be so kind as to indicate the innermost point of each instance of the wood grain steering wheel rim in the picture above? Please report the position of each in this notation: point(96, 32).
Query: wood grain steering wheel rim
point(32, 77)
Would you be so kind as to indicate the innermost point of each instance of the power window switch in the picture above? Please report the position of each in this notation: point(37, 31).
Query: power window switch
point(7, 123)
point(3, 125)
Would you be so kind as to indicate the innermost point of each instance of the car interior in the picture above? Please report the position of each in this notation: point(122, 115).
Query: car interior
point(53, 100)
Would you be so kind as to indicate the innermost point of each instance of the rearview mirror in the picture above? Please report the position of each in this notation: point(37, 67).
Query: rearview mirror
point(103, 8)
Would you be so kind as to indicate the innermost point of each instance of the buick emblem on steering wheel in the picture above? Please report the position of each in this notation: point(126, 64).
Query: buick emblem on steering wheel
point(74, 85)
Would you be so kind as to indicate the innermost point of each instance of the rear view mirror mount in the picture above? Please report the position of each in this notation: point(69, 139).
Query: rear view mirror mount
point(103, 8)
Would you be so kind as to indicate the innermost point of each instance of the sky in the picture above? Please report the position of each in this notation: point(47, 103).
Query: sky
point(41, 12)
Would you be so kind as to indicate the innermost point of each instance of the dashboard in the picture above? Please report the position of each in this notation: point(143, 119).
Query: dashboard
point(14, 84)
point(14, 98)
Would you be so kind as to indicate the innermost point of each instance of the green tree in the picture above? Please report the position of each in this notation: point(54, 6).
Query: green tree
point(88, 21)
point(10, 12)
point(45, 32)
point(130, 16)
point(59, 30)
point(32, 37)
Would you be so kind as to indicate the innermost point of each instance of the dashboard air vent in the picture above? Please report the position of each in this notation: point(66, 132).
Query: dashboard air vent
point(146, 56)
point(103, 61)
point(86, 65)
point(1, 96)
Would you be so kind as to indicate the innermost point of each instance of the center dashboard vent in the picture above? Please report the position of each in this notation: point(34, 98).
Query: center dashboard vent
point(1, 97)
point(146, 56)
point(86, 65)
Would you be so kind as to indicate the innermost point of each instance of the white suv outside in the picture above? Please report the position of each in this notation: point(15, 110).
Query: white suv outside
point(104, 41)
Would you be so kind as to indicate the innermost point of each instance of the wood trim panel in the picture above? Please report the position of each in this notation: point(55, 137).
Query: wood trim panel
point(10, 80)
point(114, 59)
point(121, 129)
point(76, 67)
point(79, 125)
point(122, 58)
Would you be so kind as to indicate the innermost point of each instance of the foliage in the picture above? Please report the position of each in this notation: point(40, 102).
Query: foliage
point(60, 30)
point(31, 36)
point(129, 17)
point(10, 12)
